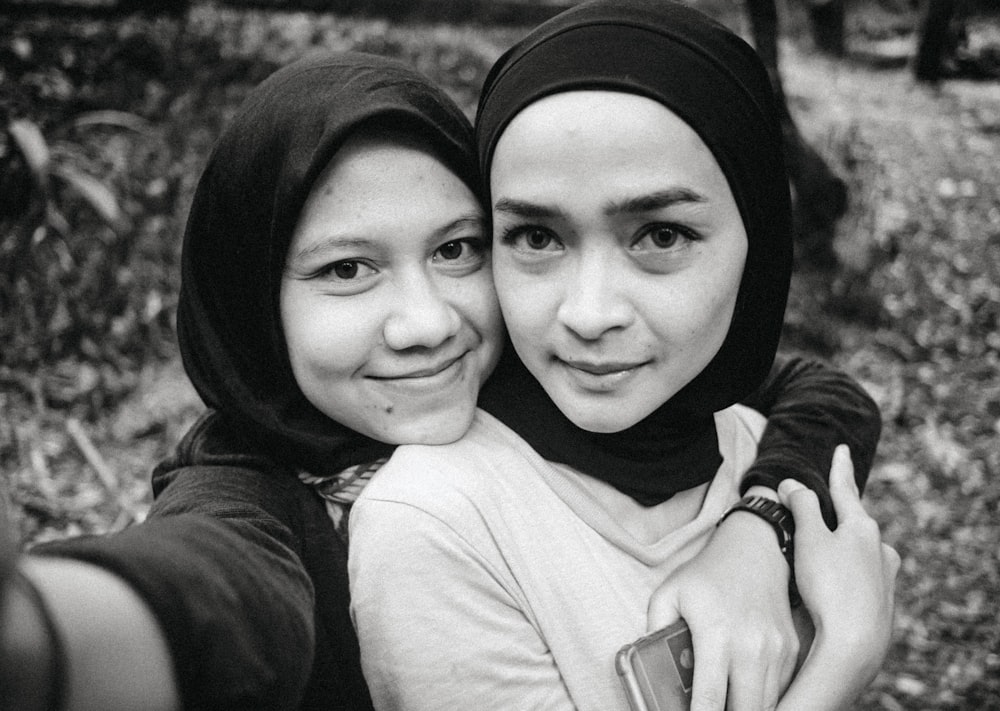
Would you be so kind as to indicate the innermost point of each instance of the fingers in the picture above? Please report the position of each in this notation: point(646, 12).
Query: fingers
point(708, 688)
point(745, 674)
point(772, 688)
point(663, 609)
point(843, 488)
point(746, 691)
point(890, 561)
point(803, 504)
point(754, 686)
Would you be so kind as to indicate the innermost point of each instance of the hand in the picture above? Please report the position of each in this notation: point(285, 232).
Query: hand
point(734, 597)
point(846, 577)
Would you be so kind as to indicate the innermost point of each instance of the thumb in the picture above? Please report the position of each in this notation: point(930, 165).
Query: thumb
point(803, 504)
point(664, 608)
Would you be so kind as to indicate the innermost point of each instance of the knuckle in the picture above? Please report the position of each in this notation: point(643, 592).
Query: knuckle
point(761, 642)
point(865, 528)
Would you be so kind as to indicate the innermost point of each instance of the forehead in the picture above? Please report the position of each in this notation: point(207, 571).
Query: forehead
point(623, 139)
point(376, 186)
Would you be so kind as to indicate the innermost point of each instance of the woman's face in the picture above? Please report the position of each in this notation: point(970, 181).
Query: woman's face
point(387, 300)
point(618, 252)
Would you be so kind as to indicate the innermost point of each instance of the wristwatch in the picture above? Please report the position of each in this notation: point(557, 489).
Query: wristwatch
point(783, 523)
point(774, 513)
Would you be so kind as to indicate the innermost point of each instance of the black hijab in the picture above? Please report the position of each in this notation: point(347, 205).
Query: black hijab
point(715, 82)
point(240, 226)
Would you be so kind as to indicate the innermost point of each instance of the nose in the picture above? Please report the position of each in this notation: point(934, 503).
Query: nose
point(421, 316)
point(593, 302)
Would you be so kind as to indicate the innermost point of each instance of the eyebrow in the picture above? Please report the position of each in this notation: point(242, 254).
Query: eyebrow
point(346, 242)
point(327, 244)
point(523, 208)
point(657, 200)
point(654, 201)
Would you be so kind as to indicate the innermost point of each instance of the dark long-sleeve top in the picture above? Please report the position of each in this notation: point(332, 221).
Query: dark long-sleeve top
point(244, 571)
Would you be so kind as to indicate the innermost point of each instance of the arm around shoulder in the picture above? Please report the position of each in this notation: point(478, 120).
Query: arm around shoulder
point(811, 408)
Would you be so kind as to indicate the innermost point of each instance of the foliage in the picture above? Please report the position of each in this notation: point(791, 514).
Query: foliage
point(91, 393)
point(39, 254)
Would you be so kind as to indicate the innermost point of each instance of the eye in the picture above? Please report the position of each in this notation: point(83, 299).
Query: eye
point(661, 236)
point(460, 257)
point(345, 270)
point(348, 269)
point(531, 239)
point(461, 250)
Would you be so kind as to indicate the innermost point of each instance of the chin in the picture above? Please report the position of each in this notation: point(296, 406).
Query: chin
point(605, 416)
point(600, 422)
point(444, 429)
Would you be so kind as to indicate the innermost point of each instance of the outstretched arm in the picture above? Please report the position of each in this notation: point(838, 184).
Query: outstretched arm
point(75, 636)
point(204, 605)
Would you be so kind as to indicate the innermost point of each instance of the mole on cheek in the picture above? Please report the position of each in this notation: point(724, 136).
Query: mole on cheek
point(388, 409)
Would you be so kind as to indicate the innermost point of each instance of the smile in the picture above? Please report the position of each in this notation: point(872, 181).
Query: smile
point(436, 375)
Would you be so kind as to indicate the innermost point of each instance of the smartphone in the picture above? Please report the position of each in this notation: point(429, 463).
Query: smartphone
point(657, 670)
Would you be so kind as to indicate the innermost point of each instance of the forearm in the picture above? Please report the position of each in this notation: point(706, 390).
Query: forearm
point(829, 679)
point(220, 574)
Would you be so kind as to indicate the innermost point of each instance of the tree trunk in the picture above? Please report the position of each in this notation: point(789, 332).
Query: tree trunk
point(936, 40)
point(826, 18)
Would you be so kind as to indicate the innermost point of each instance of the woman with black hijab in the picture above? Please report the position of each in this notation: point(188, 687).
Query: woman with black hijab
point(336, 300)
point(233, 593)
point(642, 251)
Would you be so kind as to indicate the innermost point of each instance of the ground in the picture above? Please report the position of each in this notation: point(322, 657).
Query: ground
point(913, 312)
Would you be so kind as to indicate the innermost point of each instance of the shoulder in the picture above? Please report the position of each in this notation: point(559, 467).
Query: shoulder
point(467, 487)
point(467, 465)
point(739, 424)
point(740, 430)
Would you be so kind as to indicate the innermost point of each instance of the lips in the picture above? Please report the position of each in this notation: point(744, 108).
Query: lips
point(426, 371)
point(602, 367)
point(600, 376)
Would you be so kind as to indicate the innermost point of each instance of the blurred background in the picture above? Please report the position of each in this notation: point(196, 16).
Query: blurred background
point(108, 111)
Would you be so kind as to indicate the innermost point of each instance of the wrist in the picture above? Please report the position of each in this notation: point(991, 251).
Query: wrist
point(773, 515)
point(752, 539)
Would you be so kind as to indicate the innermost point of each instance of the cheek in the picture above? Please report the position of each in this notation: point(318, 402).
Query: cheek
point(521, 313)
point(526, 301)
point(326, 340)
point(707, 315)
point(477, 302)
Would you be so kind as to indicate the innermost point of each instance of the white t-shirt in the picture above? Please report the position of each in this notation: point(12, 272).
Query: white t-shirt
point(484, 577)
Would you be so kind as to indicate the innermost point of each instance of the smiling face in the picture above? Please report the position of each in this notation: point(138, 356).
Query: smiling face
point(618, 252)
point(387, 301)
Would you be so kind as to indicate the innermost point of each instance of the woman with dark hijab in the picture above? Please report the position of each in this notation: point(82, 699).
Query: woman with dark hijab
point(343, 194)
point(233, 593)
point(642, 251)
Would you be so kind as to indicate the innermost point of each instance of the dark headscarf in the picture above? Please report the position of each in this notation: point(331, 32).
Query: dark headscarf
point(715, 82)
point(240, 226)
